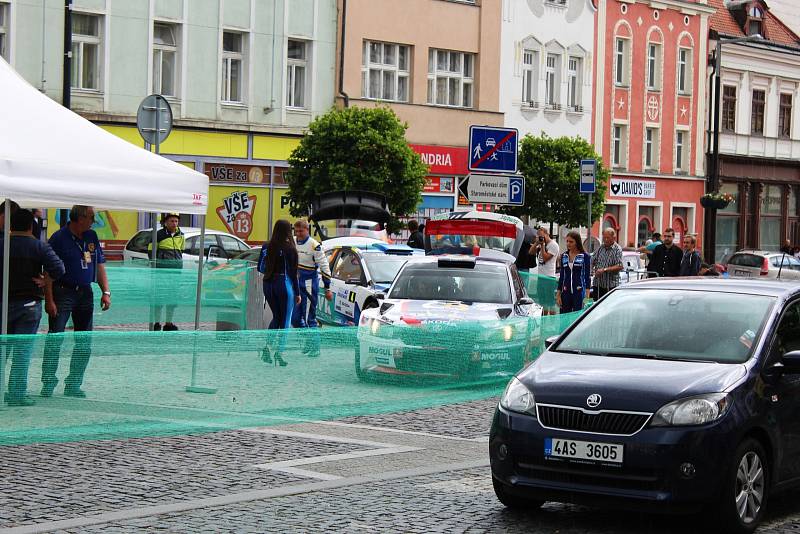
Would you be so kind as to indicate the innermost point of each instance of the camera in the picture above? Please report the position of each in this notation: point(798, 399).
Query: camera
point(541, 239)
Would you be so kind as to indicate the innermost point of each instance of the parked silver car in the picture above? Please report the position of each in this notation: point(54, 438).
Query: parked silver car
point(756, 263)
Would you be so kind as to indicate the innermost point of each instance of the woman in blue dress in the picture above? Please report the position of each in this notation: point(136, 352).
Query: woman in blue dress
point(278, 264)
point(575, 278)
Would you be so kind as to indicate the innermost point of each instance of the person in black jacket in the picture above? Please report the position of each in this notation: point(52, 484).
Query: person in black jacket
point(666, 259)
point(690, 262)
point(416, 239)
point(278, 264)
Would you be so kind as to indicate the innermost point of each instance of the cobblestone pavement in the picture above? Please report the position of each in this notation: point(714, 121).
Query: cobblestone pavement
point(419, 471)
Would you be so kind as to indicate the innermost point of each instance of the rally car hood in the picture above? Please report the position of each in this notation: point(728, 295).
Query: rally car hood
point(630, 384)
point(421, 311)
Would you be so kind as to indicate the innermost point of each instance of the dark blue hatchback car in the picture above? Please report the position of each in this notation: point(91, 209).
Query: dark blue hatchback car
point(675, 395)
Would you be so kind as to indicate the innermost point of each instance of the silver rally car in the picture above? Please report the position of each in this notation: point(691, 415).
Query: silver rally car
point(450, 317)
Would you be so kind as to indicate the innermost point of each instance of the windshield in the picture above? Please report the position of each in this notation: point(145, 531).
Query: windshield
point(670, 324)
point(484, 283)
point(382, 268)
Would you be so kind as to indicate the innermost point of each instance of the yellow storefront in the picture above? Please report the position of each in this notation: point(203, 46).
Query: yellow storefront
point(246, 172)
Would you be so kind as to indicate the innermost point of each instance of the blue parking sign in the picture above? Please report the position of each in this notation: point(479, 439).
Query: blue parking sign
point(493, 149)
point(516, 190)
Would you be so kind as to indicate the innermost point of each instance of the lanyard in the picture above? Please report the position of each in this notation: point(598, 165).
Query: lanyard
point(82, 246)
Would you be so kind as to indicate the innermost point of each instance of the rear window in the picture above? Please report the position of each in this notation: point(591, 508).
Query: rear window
point(788, 262)
point(747, 260)
point(484, 283)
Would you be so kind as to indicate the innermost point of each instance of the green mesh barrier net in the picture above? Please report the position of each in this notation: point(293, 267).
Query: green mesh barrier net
point(145, 383)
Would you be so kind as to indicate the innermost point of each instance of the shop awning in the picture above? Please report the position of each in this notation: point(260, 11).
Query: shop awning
point(52, 157)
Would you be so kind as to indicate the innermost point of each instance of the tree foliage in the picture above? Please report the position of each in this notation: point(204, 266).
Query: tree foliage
point(360, 149)
point(551, 167)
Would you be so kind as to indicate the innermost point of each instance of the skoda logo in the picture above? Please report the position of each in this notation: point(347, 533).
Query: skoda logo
point(594, 400)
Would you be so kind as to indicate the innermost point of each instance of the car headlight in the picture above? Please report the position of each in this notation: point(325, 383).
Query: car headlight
point(508, 332)
point(697, 410)
point(518, 398)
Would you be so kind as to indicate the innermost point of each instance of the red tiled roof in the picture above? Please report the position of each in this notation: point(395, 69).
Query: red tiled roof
point(776, 31)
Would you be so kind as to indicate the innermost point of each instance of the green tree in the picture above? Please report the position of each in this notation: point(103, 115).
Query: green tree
point(551, 167)
point(357, 149)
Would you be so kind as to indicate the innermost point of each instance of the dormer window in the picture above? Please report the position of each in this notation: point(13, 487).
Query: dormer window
point(755, 21)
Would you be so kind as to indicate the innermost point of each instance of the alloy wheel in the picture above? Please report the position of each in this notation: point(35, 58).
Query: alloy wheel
point(750, 482)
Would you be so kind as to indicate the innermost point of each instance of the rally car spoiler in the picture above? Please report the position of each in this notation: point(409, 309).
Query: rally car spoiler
point(350, 205)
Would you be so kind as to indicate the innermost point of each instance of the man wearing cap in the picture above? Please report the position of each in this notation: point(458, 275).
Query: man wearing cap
point(79, 248)
point(28, 257)
point(170, 243)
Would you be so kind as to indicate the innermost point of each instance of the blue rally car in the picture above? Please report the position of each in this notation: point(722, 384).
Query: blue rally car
point(358, 273)
point(672, 394)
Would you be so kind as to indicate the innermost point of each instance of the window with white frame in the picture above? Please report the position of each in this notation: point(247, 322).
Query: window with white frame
point(574, 84)
point(684, 70)
point(653, 66)
point(551, 86)
point(165, 59)
point(86, 30)
point(296, 73)
point(681, 145)
point(529, 78)
point(651, 149)
point(233, 67)
point(619, 137)
point(621, 54)
point(450, 78)
point(4, 25)
point(385, 71)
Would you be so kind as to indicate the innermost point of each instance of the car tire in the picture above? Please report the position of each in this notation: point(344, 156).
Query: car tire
point(514, 502)
point(747, 476)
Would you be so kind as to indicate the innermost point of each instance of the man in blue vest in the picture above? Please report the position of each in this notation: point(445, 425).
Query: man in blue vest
point(79, 248)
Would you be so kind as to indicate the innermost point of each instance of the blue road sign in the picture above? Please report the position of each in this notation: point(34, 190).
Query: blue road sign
point(493, 149)
point(588, 176)
point(516, 191)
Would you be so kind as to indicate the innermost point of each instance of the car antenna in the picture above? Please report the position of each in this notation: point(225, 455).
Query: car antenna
point(781, 267)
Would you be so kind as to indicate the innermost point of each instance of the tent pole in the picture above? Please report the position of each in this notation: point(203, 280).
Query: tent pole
point(193, 387)
point(6, 262)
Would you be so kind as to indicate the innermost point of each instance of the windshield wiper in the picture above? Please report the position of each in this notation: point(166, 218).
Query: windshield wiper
point(579, 351)
point(654, 357)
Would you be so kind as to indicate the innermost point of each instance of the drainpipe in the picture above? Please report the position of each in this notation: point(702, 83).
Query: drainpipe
point(344, 95)
point(66, 92)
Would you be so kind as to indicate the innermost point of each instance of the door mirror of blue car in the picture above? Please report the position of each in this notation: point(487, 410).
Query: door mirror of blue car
point(791, 362)
point(525, 301)
point(549, 341)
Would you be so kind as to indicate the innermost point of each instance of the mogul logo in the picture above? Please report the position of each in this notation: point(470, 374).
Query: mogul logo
point(236, 212)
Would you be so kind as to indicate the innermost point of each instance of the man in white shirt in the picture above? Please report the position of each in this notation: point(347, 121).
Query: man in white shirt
point(546, 251)
point(311, 262)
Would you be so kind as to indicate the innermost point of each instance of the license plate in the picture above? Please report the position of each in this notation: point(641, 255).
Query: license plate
point(583, 450)
point(739, 272)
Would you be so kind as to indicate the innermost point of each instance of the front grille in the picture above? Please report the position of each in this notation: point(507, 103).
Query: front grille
point(602, 422)
point(590, 475)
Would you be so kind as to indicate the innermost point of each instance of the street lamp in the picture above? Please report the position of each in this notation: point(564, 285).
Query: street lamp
point(713, 163)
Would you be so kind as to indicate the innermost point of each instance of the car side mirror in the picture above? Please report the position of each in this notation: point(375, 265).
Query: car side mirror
point(791, 362)
point(525, 301)
point(549, 341)
point(354, 281)
point(380, 295)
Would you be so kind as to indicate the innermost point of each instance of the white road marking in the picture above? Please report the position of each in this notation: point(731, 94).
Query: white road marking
point(401, 431)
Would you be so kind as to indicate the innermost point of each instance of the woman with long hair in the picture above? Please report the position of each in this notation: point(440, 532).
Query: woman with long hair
point(278, 264)
point(575, 277)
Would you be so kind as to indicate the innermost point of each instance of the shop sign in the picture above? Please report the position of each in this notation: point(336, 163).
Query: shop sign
point(223, 173)
point(632, 188)
point(236, 213)
point(439, 184)
point(443, 159)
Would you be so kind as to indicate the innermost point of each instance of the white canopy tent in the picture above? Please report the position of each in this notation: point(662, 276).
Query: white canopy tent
point(52, 157)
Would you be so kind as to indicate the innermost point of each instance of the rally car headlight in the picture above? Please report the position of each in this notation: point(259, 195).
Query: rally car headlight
point(697, 410)
point(508, 332)
point(518, 398)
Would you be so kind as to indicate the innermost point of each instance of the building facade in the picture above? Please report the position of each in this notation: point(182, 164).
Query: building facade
point(759, 136)
point(649, 105)
point(244, 79)
point(436, 63)
point(546, 66)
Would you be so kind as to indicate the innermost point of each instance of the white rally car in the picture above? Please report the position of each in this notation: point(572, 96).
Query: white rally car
point(358, 275)
point(454, 317)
